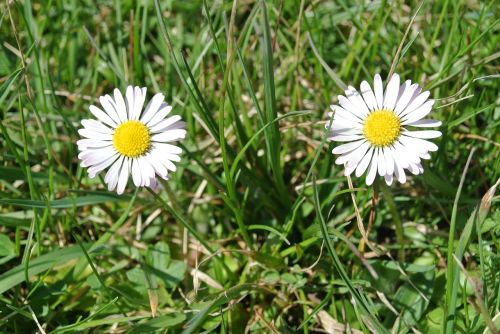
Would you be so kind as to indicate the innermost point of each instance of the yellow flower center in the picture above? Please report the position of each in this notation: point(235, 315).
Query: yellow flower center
point(382, 128)
point(132, 139)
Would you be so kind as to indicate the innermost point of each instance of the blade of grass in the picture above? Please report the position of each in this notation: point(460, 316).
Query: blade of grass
point(451, 277)
point(361, 304)
point(272, 135)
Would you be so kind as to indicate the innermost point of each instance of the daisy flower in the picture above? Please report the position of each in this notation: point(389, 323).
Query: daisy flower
point(377, 126)
point(130, 140)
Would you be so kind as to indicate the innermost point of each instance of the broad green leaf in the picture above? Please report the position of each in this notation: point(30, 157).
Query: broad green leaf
point(7, 248)
point(44, 262)
point(63, 203)
point(159, 324)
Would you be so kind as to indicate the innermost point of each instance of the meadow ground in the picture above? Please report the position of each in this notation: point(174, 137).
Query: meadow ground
point(258, 230)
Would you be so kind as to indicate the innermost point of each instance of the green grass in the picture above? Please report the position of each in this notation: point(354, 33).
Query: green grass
point(258, 231)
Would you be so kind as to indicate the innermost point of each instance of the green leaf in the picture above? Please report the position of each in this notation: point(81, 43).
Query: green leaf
point(63, 203)
point(13, 174)
point(412, 299)
point(407, 267)
point(59, 256)
point(158, 256)
point(159, 324)
point(7, 248)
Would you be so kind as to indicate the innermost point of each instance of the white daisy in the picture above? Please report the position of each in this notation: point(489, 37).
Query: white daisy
point(375, 124)
point(129, 140)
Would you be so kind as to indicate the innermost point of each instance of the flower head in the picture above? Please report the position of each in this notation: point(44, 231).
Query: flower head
point(375, 124)
point(130, 140)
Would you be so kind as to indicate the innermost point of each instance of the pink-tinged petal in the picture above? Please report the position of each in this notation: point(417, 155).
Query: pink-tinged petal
point(388, 179)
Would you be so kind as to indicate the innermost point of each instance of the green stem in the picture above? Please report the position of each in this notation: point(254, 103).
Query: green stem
point(397, 220)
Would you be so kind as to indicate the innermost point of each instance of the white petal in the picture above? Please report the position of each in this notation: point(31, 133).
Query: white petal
point(91, 134)
point(165, 109)
point(392, 92)
point(154, 160)
point(364, 162)
point(136, 173)
point(418, 144)
point(121, 107)
point(129, 95)
point(341, 112)
point(109, 107)
point(169, 164)
point(389, 161)
point(426, 134)
point(346, 132)
point(418, 113)
point(147, 171)
point(347, 147)
point(96, 169)
point(413, 168)
point(152, 107)
point(372, 172)
point(84, 144)
point(102, 116)
point(111, 177)
point(166, 148)
point(345, 138)
point(379, 91)
point(139, 97)
point(162, 125)
point(368, 95)
point(399, 171)
point(342, 124)
point(426, 123)
point(406, 152)
point(349, 106)
point(425, 156)
point(123, 178)
point(415, 103)
point(403, 101)
point(348, 170)
point(355, 98)
point(94, 156)
point(97, 126)
point(168, 136)
point(381, 163)
point(354, 156)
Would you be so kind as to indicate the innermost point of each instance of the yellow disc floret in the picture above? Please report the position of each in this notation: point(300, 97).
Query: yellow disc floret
point(132, 139)
point(382, 128)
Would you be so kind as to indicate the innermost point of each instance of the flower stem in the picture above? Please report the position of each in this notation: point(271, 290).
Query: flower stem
point(397, 220)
